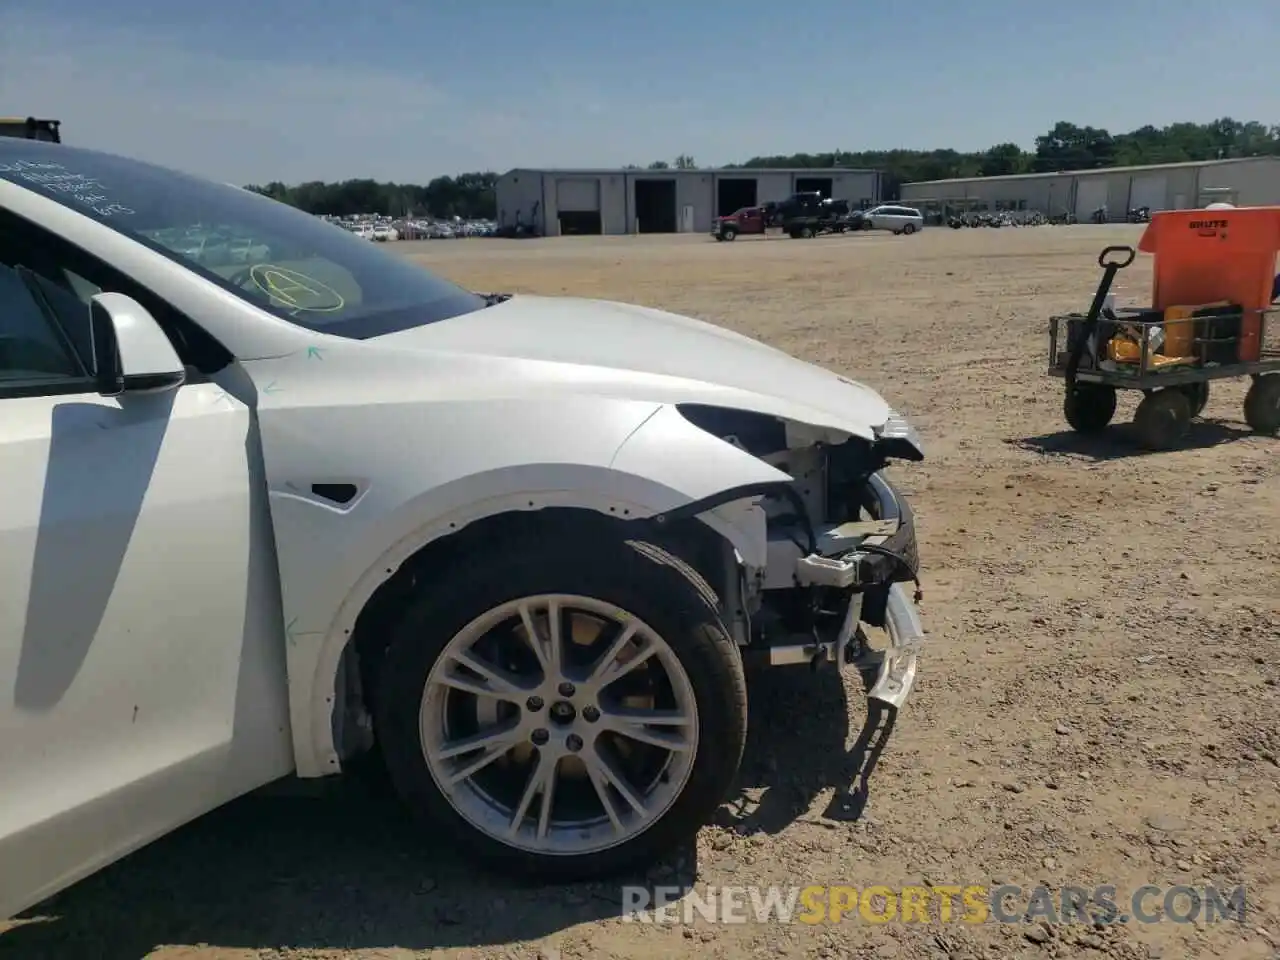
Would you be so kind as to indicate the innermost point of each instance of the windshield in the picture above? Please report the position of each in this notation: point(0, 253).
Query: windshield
point(289, 263)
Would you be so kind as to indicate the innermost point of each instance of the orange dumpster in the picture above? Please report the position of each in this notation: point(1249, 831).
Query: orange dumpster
point(1208, 256)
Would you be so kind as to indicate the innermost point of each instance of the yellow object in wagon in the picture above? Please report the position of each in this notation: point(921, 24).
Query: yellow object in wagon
point(1176, 344)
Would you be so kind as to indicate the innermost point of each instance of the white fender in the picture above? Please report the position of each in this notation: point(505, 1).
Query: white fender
point(659, 464)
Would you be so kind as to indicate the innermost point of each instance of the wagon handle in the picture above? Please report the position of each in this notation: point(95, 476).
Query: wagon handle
point(1104, 261)
point(1110, 265)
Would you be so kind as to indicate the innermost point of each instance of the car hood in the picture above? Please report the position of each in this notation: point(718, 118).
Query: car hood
point(655, 355)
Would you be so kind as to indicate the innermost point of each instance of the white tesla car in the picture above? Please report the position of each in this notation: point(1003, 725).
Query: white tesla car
point(272, 495)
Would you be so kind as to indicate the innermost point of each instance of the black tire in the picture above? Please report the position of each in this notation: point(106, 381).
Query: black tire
point(640, 579)
point(1262, 405)
point(909, 229)
point(806, 232)
point(729, 233)
point(1162, 419)
point(1198, 394)
point(1089, 407)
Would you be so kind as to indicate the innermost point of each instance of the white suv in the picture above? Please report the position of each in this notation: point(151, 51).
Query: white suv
point(273, 496)
point(890, 216)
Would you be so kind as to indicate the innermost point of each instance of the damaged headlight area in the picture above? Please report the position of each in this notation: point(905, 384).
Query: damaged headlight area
point(898, 440)
point(842, 552)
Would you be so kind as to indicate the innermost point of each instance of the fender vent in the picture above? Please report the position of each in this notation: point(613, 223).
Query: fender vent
point(339, 493)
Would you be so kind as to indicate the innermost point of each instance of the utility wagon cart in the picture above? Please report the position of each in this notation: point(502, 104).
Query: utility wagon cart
point(1211, 319)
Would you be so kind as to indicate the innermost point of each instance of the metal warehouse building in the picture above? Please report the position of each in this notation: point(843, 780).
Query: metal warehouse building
point(1249, 181)
point(662, 201)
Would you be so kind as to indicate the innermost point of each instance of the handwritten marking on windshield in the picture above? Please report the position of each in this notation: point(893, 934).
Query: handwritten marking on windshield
point(295, 290)
point(54, 177)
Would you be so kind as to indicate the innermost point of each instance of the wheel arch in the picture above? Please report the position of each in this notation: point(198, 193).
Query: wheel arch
point(328, 700)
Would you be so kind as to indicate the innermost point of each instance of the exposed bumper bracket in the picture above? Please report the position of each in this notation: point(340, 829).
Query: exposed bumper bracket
point(897, 673)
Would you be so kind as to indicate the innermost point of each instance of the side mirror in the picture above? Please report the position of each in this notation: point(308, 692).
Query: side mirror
point(130, 351)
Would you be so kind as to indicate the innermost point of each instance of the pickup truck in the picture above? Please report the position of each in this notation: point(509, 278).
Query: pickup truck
point(800, 215)
point(745, 220)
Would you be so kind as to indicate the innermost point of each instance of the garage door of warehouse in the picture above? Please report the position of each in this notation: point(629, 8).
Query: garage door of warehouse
point(1150, 190)
point(578, 205)
point(1091, 193)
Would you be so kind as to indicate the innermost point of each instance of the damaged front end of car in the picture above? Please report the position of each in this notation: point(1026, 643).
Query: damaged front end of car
point(840, 552)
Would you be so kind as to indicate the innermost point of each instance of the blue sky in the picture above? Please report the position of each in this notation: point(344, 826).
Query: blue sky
point(256, 90)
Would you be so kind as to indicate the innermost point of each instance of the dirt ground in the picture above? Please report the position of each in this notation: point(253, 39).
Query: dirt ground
point(1098, 704)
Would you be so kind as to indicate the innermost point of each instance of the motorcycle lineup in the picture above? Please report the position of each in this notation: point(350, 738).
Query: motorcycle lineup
point(1037, 219)
point(1033, 219)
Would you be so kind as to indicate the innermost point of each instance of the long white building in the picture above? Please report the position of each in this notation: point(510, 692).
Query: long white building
point(1250, 181)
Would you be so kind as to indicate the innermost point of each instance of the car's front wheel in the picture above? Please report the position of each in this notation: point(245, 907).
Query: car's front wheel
point(565, 710)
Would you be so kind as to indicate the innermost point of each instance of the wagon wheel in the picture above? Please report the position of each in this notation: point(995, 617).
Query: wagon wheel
point(1262, 405)
point(1198, 394)
point(1089, 407)
point(1162, 419)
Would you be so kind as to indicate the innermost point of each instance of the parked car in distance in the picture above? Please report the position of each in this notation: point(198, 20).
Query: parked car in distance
point(274, 497)
point(892, 217)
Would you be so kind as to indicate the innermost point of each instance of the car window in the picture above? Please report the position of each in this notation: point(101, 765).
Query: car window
point(287, 262)
point(68, 278)
point(34, 355)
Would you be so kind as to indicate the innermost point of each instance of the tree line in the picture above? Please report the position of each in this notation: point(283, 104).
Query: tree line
point(468, 195)
point(1066, 146)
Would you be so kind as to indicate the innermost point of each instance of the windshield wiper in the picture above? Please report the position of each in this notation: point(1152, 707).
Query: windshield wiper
point(493, 299)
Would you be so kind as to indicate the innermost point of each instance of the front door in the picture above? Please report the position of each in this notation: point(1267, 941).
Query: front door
point(141, 663)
